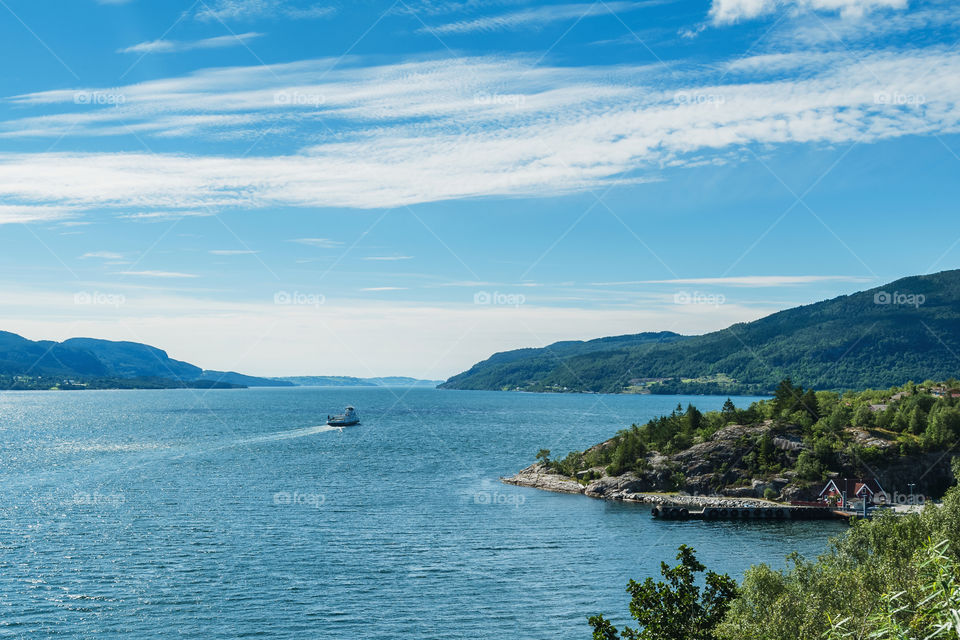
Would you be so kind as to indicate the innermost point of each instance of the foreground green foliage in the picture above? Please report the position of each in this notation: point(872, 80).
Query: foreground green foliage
point(892, 577)
point(850, 342)
point(676, 608)
point(936, 615)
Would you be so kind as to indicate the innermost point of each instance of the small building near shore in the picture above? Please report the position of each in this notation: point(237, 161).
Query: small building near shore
point(869, 490)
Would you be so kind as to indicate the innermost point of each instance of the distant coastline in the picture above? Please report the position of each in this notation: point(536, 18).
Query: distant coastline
point(350, 381)
point(232, 381)
point(81, 364)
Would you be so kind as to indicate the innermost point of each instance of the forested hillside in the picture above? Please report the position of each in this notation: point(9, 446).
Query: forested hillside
point(905, 330)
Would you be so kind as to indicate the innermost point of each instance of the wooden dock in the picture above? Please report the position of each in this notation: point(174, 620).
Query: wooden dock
point(668, 512)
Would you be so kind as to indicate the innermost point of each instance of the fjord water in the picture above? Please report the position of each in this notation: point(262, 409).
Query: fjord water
point(232, 514)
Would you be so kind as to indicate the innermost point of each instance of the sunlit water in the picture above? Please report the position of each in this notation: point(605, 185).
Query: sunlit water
point(233, 514)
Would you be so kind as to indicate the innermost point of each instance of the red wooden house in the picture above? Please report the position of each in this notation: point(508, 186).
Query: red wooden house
point(869, 490)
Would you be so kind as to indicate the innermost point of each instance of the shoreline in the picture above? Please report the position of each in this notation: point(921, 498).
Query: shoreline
point(620, 489)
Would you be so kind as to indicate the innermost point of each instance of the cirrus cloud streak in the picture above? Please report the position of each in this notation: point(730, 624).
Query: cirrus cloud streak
point(464, 128)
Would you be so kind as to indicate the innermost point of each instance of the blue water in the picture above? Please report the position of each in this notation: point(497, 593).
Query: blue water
point(234, 514)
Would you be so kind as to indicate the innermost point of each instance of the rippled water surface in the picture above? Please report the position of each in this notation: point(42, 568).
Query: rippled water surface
point(232, 514)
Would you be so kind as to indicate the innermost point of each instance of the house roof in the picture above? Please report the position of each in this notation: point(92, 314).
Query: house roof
point(853, 487)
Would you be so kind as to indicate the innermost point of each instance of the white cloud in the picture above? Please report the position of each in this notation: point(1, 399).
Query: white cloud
point(535, 17)
point(103, 255)
point(749, 281)
point(322, 243)
point(388, 258)
point(384, 289)
point(438, 130)
point(158, 274)
point(724, 12)
point(814, 30)
point(17, 214)
point(251, 9)
point(164, 216)
point(233, 252)
point(176, 46)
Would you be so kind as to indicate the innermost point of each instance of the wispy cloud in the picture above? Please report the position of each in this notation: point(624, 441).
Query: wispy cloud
point(384, 289)
point(535, 17)
point(322, 243)
point(724, 12)
point(102, 255)
point(388, 258)
point(158, 274)
point(165, 215)
point(746, 281)
point(463, 128)
point(252, 9)
point(21, 214)
point(233, 252)
point(177, 46)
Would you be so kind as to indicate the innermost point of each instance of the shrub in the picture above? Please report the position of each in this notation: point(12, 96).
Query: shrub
point(675, 609)
point(874, 559)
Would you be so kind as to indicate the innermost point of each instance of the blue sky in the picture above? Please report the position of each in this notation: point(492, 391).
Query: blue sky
point(374, 188)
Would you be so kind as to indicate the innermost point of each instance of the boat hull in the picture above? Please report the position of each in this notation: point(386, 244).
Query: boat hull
point(342, 423)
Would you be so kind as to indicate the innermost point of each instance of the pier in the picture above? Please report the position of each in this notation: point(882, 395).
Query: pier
point(667, 512)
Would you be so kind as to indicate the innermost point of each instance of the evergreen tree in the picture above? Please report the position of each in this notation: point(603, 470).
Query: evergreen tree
point(676, 609)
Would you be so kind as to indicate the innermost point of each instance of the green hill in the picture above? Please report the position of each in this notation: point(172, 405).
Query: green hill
point(905, 330)
point(92, 363)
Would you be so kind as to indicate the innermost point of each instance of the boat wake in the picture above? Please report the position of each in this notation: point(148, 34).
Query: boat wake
point(287, 435)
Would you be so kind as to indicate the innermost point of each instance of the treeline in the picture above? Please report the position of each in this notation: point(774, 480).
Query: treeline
point(677, 387)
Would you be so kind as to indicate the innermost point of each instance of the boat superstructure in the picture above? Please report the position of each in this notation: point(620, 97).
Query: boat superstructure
point(348, 418)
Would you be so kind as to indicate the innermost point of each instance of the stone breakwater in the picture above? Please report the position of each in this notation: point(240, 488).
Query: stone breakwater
point(623, 488)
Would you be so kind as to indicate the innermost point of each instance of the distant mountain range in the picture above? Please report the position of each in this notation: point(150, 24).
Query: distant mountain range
point(88, 362)
point(905, 330)
point(347, 381)
point(100, 361)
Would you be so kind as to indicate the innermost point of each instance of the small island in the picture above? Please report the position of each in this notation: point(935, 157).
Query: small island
point(801, 446)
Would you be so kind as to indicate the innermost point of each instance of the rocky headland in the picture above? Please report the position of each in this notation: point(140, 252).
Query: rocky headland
point(723, 470)
point(627, 488)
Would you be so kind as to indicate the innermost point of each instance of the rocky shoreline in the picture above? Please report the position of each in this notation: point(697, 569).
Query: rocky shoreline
point(625, 488)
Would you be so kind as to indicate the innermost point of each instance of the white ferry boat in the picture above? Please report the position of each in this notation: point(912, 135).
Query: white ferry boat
point(347, 419)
